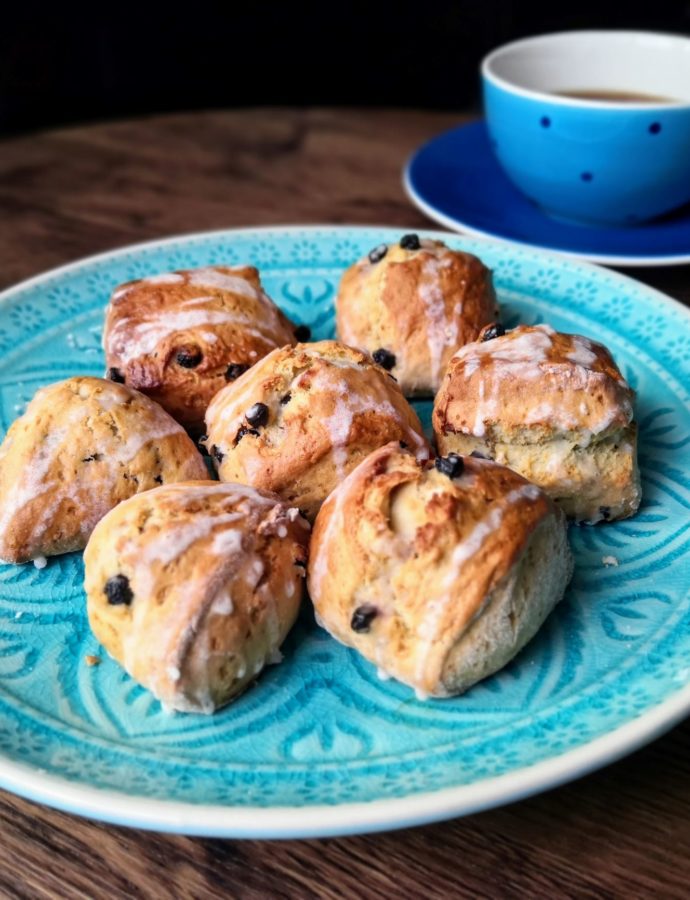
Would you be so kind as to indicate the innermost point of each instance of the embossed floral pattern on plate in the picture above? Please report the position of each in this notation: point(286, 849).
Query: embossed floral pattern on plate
point(322, 728)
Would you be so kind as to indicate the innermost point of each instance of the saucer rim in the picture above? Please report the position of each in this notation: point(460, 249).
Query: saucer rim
point(459, 226)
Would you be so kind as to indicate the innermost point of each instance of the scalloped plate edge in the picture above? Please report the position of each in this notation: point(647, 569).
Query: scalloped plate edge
point(547, 253)
point(347, 818)
point(291, 822)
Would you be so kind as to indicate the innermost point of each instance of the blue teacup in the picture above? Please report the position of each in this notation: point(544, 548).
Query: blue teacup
point(593, 126)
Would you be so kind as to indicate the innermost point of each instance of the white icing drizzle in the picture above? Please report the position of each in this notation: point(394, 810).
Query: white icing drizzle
point(213, 278)
point(272, 621)
point(348, 405)
point(437, 249)
point(440, 331)
point(482, 413)
point(346, 333)
point(109, 398)
point(232, 401)
point(173, 673)
point(181, 630)
point(178, 537)
point(581, 353)
point(257, 568)
point(200, 302)
point(608, 417)
point(124, 451)
point(118, 452)
point(33, 483)
point(128, 339)
point(201, 492)
point(524, 356)
point(339, 423)
point(524, 351)
point(184, 640)
point(318, 562)
point(5, 446)
point(227, 410)
point(436, 610)
point(165, 546)
point(164, 278)
point(223, 605)
point(473, 543)
point(227, 542)
point(336, 362)
point(545, 411)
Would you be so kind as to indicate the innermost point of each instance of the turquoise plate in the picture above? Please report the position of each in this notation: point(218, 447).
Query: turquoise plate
point(320, 745)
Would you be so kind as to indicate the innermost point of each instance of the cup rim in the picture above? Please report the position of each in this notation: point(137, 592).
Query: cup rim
point(578, 102)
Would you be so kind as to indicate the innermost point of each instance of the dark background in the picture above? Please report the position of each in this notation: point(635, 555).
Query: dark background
point(58, 65)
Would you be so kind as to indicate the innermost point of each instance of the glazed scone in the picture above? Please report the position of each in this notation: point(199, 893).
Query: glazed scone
point(555, 408)
point(81, 447)
point(193, 587)
point(302, 418)
point(437, 572)
point(411, 305)
point(181, 336)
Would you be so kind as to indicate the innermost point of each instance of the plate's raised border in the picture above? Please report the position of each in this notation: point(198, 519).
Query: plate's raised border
point(347, 818)
point(588, 264)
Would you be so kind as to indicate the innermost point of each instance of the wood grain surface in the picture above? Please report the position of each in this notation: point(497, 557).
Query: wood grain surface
point(621, 832)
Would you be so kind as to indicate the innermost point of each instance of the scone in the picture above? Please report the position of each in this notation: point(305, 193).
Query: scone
point(411, 305)
point(193, 587)
point(437, 572)
point(181, 336)
point(555, 408)
point(81, 447)
point(302, 418)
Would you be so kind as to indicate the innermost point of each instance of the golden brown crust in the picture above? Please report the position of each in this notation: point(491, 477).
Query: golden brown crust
point(420, 305)
point(81, 447)
point(532, 384)
point(327, 407)
point(425, 551)
point(552, 406)
point(215, 577)
point(174, 335)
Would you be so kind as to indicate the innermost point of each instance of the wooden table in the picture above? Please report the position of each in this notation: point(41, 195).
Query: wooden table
point(621, 832)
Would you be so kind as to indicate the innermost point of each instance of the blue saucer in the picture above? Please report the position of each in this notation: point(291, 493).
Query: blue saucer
point(456, 180)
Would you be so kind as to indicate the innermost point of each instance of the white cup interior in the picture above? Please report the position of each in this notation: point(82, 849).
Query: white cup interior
point(618, 61)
